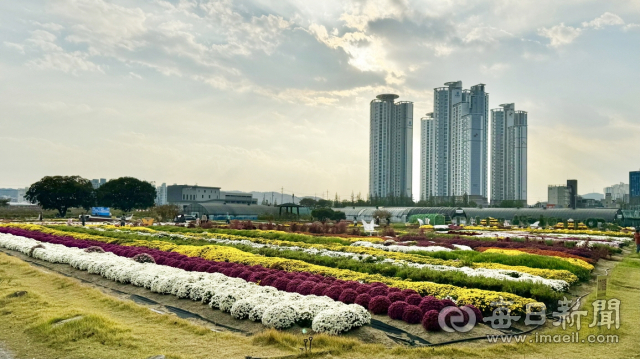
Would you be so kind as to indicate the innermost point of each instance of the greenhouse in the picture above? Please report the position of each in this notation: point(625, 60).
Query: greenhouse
point(219, 211)
point(398, 214)
point(465, 215)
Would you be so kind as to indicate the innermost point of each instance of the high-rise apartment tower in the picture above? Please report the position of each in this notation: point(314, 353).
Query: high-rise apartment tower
point(508, 154)
point(390, 147)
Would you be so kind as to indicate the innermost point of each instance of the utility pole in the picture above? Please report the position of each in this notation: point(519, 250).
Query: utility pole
point(281, 195)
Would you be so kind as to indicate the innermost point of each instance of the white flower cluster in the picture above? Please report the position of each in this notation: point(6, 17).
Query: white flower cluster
point(407, 249)
point(335, 321)
point(274, 308)
point(500, 274)
point(579, 238)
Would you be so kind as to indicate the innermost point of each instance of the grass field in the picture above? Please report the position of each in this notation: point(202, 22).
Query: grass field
point(61, 317)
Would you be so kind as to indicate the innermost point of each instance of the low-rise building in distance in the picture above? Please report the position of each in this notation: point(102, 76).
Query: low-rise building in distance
point(184, 195)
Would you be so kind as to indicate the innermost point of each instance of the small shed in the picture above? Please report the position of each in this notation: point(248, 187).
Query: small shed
point(289, 208)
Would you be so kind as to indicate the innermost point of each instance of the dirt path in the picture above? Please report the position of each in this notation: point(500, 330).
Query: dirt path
point(4, 354)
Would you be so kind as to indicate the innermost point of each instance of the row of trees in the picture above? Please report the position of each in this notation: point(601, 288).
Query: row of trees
point(64, 192)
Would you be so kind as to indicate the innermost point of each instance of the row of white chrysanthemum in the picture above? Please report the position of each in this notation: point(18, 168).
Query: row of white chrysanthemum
point(499, 274)
point(408, 249)
point(580, 239)
point(274, 308)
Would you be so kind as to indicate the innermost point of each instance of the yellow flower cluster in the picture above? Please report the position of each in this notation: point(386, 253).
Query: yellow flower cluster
point(114, 228)
point(515, 252)
point(561, 274)
point(350, 239)
point(587, 232)
point(483, 228)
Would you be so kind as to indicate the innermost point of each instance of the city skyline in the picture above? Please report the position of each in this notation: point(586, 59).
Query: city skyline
point(254, 96)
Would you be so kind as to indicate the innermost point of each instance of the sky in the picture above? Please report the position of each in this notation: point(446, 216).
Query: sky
point(269, 95)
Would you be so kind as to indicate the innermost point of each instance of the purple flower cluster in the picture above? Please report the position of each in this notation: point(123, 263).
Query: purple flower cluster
point(558, 245)
point(406, 304)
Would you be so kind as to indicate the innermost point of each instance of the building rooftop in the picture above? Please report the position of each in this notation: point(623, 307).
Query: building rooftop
point(387, 96)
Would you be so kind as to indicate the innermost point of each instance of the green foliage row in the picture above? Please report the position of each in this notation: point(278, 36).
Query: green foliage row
point(527, 260)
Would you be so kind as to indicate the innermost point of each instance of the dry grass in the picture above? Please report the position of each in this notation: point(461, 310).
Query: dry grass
point(32, 325)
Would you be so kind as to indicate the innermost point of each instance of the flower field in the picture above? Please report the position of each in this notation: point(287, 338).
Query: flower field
point(330, 284)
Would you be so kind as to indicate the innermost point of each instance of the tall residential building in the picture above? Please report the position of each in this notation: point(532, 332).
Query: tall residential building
point(390, 147)
point(619, 192)
point(634, 188)
point(573, 193)
point(96, 183)
point(508, 154)
point(559, 197)
point(161, 194)
point(454, 157)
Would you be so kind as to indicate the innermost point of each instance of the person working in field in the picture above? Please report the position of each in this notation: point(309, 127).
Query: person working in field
point(636, 236)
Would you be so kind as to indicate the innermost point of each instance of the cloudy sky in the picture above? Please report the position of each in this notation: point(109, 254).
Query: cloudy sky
point(259, 95)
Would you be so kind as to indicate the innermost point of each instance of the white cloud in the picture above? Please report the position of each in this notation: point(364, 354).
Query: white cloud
point(133, 75)
point(496, 69)
point(11, 45)
point(72, 62)
point(560, 34)
point(359, 13)
point(366, 52)
point(486, 34)
point(606, 19)
point(50, 26)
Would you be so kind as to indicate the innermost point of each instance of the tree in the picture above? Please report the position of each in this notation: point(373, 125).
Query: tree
point(324, 203)
point(308, 202)
point(61, 193)
point(381, 213)
point(339, 215)
point(126, 194)
point(323, 214)
point(167, 212)
point(4, 202)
